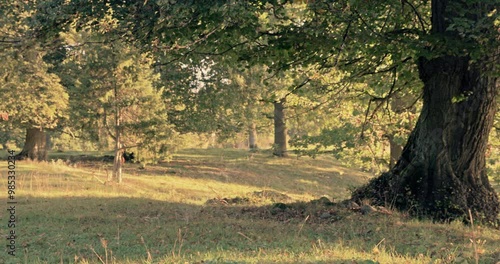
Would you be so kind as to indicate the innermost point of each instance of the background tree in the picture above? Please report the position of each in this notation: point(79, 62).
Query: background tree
point(250, 88)
point(34, 98)
point(114, 87)
point(43, 104)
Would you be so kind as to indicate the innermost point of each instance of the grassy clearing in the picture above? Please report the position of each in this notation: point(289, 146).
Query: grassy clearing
point(159, 215)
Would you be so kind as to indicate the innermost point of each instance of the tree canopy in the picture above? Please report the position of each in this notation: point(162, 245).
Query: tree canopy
point(210, 66)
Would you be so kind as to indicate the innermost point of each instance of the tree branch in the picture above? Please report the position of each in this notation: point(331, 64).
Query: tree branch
point(297, 87)
point(422, 22)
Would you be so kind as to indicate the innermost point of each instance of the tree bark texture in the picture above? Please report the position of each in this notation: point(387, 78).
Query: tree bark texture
point(442, 170)
point(35, 145)
point(117, 164)
point(280, 130)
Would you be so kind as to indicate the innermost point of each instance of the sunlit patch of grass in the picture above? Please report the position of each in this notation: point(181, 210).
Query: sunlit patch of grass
point(314, 183)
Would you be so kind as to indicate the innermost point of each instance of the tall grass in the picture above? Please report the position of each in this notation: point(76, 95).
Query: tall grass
point(159, 215)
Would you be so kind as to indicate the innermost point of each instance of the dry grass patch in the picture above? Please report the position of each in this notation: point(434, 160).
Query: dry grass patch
point(160, 215)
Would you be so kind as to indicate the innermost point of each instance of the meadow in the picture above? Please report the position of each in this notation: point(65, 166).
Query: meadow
point(219, 206)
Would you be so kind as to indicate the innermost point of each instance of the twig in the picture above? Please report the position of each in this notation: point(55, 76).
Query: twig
point(102, 261)
point(147, 250)
point(378, 244)
point(473, 240)
point(99, 180)
point(243, 235)
point(216, 193)
point(419, 16)
point(302, 225)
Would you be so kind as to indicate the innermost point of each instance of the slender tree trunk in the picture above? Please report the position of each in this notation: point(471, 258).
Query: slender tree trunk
point(119, 160)
point(103, 136)
point(252, 137)
point(397, 106)
point(395, 151)
point(280, 130)
point(35, 145)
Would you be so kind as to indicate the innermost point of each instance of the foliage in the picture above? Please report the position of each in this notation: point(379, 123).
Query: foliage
point(62, 142)
point(11, 136)
point(110, 81)
point(25, 76)
point(202, 98)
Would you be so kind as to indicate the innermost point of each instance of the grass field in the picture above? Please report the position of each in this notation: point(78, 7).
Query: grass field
point(219, 206)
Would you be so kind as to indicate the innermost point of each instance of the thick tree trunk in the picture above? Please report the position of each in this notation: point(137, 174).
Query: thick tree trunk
point(252, 137)
point(280, 130)
point(441, 172)
point(35, 145)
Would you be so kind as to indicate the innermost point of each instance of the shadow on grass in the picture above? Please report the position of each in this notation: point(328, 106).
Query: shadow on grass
point(135, 230)
point(72, 229)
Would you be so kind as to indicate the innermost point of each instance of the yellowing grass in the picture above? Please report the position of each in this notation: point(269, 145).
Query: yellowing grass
point(159, 215)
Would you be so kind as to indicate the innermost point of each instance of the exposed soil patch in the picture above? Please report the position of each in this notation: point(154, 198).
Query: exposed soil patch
point(257, 197)
point(321, 210)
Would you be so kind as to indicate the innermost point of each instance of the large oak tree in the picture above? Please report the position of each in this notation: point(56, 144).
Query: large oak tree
point(452, 47)
point(441, 172)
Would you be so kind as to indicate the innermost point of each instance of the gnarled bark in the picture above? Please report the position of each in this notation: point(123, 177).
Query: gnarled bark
point(441, 172)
